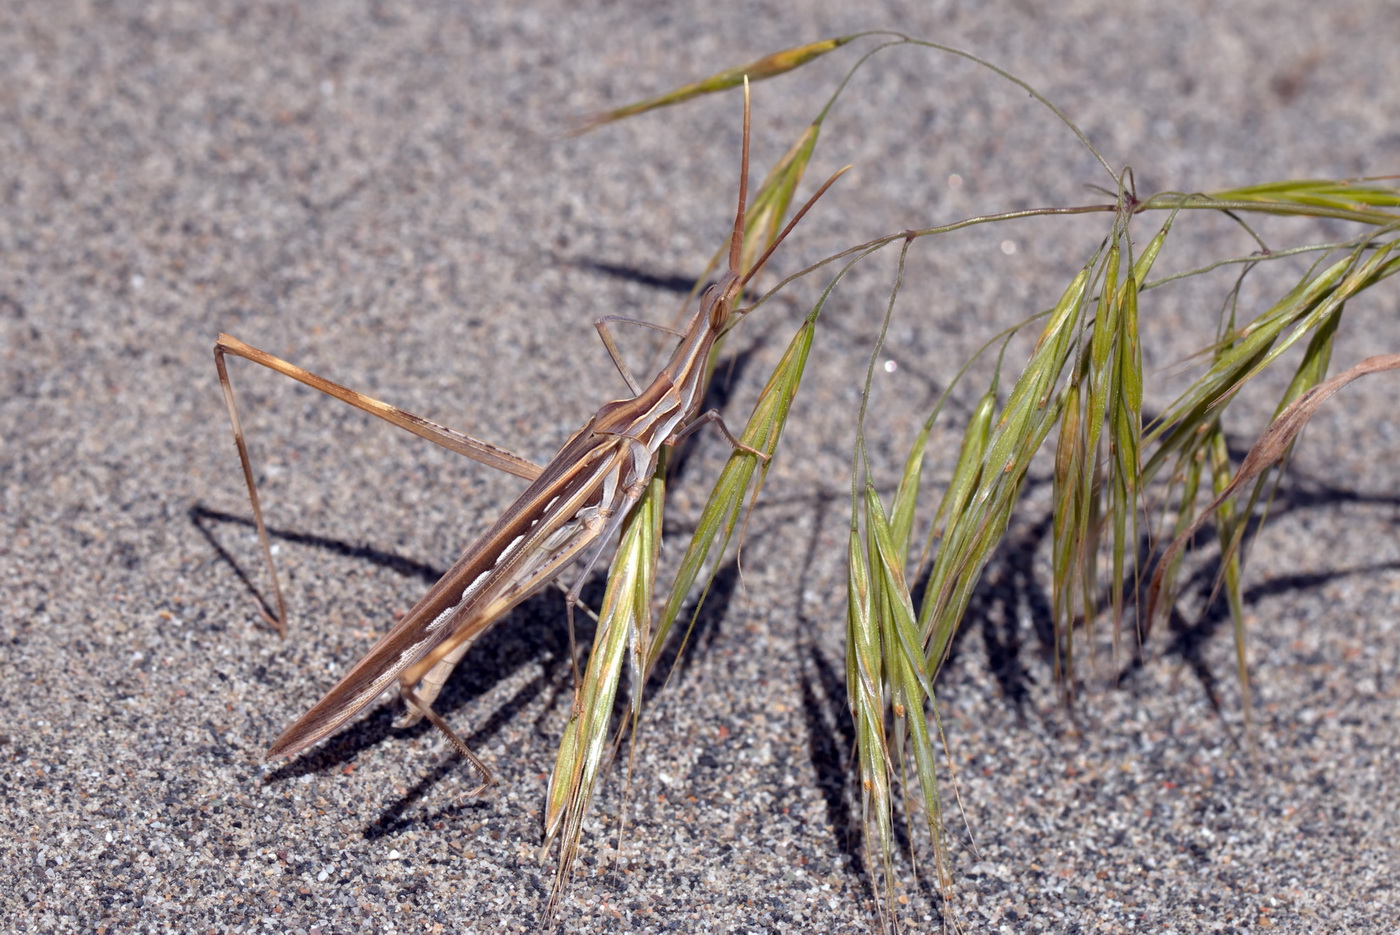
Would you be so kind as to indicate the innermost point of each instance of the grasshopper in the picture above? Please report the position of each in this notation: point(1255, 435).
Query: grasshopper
point(581, 497)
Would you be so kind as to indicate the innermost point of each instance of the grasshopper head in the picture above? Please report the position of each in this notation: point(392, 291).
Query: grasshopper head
point(720, 299)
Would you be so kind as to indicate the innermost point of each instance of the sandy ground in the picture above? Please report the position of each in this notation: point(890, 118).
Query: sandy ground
point(382, 192)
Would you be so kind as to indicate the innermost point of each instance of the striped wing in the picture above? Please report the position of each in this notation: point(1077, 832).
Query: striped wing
point(547, 526)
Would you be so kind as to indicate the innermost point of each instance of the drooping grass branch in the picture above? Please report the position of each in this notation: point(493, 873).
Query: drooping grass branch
point(1119, 482)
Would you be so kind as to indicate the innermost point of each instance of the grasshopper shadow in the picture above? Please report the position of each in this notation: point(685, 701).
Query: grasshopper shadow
point(675, 283)
point(534, 635)
point(531, 634)
point(205, 520)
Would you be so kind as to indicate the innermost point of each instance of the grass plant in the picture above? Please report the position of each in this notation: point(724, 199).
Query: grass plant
point(1127, 489)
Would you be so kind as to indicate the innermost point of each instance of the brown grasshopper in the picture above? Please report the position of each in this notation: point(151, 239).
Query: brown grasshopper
point(580, 497)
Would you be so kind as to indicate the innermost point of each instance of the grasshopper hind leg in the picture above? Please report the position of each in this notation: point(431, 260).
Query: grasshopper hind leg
point(421, 709)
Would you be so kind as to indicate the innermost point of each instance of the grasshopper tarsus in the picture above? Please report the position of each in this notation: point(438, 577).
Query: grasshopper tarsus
point(425, 710)
point(713, 415)
point(280, 625)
